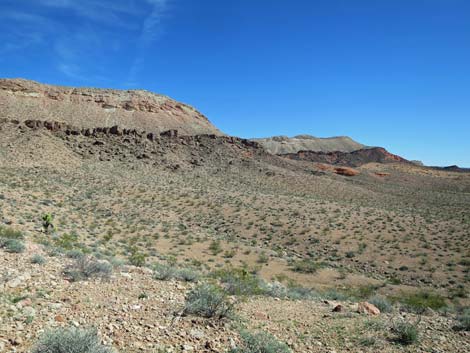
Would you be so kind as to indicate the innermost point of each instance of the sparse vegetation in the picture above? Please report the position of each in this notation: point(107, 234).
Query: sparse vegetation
point(405, 332)
point(70, 340)
point(463, 319)
point(38, 259)
point(260, 342)
point(209, 301)
point(12, 245)
point(422, 300)
point(381, 303)
point(87, 267)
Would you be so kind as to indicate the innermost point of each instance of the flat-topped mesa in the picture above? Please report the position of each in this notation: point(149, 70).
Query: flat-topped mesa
point(90, 107)
point(283, 145)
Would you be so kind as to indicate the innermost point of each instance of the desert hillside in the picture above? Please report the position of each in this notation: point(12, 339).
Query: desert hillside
point(91, 107)
point(285, 145)
point(151, 226)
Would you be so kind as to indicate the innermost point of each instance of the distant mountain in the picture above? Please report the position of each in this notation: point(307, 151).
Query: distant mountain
point(283, 144)
point(90, 107)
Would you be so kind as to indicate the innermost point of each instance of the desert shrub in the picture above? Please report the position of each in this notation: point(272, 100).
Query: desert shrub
point(187, 275)
point(38, 259)
point(240, 282)
point(74, 254)
point(464, 320)
point(368, 341)
point(10, 233)
point(137, 258)
point(54, 252)
point(12, 245)
point(381, 303)
point(306, 266)
point(333, 294)
point(66, 241)
point(300, 293)
point(405, 332)
point(420, 301)
point(260, 342)
point(263, 258)
point(87, 267)
point(164, 272)
point(215, 247)
point(209, 301)
point(275, 289)
point(70, 340)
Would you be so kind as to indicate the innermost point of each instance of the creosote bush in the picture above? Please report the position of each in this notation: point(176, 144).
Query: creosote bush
point(71, 340)
point(464, 320)
point(240, 282)
point(306, 266)
point(208, 301)
point(164, 272)
point(260, 342)
point(10, 240)
point(86, 267)
point(381, 303)
point(420, 301)
point(405, 332)
point(10, 233)
point(38, 259)
point(12, 245)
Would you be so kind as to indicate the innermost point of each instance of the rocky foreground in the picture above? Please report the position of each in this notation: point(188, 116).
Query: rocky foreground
point(134, 312)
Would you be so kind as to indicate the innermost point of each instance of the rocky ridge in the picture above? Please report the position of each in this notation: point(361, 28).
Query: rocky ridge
point(350, 159)
point(285, 145)
point(89, 107)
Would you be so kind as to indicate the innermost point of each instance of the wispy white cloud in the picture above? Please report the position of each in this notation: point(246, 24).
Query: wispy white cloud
point(151, 29)
point(84, 46)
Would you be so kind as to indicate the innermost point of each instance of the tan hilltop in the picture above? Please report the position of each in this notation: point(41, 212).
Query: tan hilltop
point(90, 107)
point(285, 145)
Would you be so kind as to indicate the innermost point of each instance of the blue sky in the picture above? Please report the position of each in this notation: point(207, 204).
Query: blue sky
point(394, 73)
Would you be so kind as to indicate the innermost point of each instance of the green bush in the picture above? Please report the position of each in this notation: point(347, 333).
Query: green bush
point(405, 332)
point(464, 320)
point(70, 340)
point(306, 266)
point(215, 247)
point(74, 254)
point(66, 241)
point(381, 303)
point(137, 258)
point(187, 275)
point(209, 301)
point(240, 282)
point(420, 301)
point(300, 293)
point(87, 267)
point(260, 342)
point(164, 272)
point(12, 245)
point(10, 233)
point(38, 259)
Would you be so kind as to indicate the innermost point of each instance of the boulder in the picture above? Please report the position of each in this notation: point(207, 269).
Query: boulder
point(367, 308)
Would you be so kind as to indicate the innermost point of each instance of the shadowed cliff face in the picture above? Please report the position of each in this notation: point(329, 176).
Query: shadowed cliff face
point(351, 159)
point(91, 107)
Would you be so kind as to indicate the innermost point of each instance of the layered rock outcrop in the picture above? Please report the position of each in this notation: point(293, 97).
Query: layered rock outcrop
point(89, 107)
